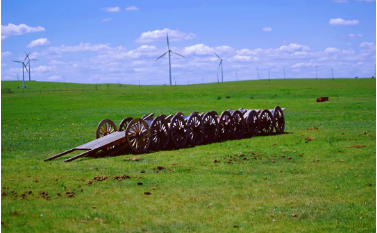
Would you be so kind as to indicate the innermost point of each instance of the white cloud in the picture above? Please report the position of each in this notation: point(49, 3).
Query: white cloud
point(132, 8)
point(366, 44)
point(304, 64)
point(54, 78)
point(340, 21)
point(267, 29)
point(293, 48)
point(332, 50)
point(355, 35)
point(42, 69)
point(340, 1)
point(12, 30)
point(244, 58)
point(201, 49)
point(105, 20)
point(159, 35)
point(5, 54)
point(111, 9)
point(38, 43)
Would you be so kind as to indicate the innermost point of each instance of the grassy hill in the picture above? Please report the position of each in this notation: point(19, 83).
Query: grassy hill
point(306, 180)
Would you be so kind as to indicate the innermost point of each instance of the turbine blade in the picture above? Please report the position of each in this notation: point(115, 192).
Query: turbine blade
point(17, 61)
point(225, 58)
point(217, 55)
point(161, 56)
point(167, 39)
point(177, 54)
point(219, 68)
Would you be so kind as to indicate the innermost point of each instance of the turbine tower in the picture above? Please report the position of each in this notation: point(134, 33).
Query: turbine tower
point(28, 63)
point(23, 73)
point(221, 64)
point(169, 51)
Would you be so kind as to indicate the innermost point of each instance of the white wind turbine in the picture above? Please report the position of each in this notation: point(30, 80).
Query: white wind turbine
point(221, 64)
point(169, 51)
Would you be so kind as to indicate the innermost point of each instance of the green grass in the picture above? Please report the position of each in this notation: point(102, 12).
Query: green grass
point(329, 186)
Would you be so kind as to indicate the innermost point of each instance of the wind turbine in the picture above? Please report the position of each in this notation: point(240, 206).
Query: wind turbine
point(23, 73)
point(221, 64)
point(28, 63)
point(169, 51)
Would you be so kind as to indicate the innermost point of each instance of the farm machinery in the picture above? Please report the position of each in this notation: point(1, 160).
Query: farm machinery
point(162, 132)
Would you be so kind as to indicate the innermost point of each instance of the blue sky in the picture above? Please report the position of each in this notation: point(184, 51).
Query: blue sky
point(118, 41)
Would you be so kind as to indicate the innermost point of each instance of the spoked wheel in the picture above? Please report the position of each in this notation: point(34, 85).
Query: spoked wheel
point(105, 127)
point(238, 124)
point(211, 127)
point(138, 135)
point(266, 122)
point(225, 125)
point(252, 126)
point(195, 129)
point(279, 121)
point(159, 134)
point(123, 124)
point(178, 131)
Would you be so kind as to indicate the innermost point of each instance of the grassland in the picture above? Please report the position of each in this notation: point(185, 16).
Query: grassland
point(327, 185)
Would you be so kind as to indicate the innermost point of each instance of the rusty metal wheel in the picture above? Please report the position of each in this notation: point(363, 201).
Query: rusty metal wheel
point(252, 126)
point(266, 122)
point(178, 131)
point(138, 135)
point(225, 125)
point(105, 127)
point(123, 124)
point(279, 121)
point(195, 129)
point(238, 124)
point(211, 127)
point(159, 134)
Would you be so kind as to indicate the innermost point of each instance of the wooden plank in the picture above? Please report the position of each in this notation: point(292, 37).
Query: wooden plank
point(80, 155)
point(61, 154)
point(103, 141)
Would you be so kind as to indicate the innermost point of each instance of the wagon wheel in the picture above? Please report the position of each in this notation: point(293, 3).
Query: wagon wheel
point(279, 121)
point(252, 126)
point(123, 124)
point(159, 134)
point(211, 127)
point(225, 125)
point(238, 124)
point(178, 131)
point(138, 135)
point(266, 122)
point(105, 127)
point(195, 129)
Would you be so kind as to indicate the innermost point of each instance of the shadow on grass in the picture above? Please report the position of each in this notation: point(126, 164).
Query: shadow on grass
point(115, 152)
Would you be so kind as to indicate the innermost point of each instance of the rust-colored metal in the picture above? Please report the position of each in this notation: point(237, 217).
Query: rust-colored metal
point(138, 135)
point(211, 127)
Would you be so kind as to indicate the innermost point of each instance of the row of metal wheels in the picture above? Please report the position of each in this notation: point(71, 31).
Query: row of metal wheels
point(180, 130)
